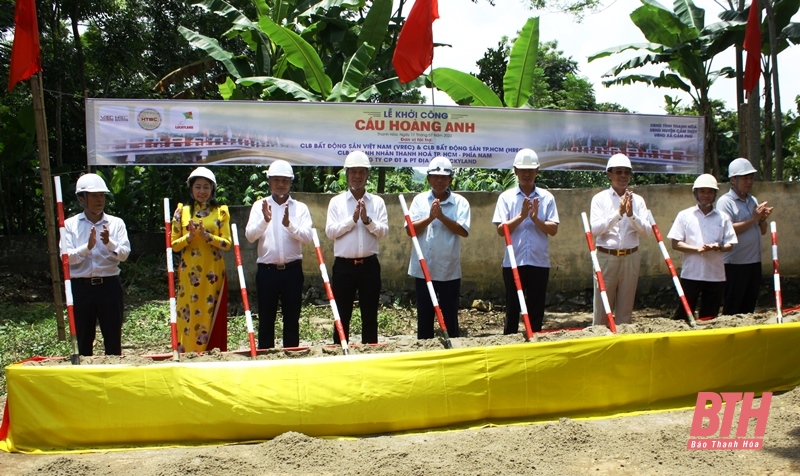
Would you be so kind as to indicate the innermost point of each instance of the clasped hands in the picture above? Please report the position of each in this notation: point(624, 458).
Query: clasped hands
point(360, 212)
point(266, 209)
point(93, 237)
point(530, 208)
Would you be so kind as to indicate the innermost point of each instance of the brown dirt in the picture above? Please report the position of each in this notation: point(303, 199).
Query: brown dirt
point(642, 444)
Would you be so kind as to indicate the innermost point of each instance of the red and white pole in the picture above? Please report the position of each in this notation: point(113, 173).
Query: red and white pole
point(598, 273)
point(337, 321)
point(523, 308)
point(173, 307)
point(675, 279)
point(243, 287)
point(436, 309)
point(776, 273)
point(75, 358)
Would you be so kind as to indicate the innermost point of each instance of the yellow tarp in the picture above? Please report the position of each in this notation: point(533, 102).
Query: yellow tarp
point(61, 408)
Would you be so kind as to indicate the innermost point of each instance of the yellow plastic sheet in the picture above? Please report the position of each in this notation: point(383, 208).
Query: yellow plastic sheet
point(64, 408)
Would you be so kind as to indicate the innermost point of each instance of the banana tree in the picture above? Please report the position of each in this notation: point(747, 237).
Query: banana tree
point(285, 44)
point(518, 80)
point(679, 41)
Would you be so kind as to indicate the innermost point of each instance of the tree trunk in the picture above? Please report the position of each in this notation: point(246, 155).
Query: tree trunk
point(773, 50)
point(382, 180)
point(711, 159)
point(741, 105)
point(754, 128)
point(768, 127)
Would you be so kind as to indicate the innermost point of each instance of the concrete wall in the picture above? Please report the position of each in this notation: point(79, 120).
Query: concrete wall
point(482, 251)
point(571, 268)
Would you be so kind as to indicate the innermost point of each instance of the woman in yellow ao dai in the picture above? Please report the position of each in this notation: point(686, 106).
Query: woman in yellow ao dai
point(201, 232)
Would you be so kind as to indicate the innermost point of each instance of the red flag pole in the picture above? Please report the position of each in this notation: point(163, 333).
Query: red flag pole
point(75, 358)
point(337, 321)
point(173, 313)
point(598, 273)
point(776, 273)
point(436, 309)
point(523, 307)
point(243, 287)
point(675, 279)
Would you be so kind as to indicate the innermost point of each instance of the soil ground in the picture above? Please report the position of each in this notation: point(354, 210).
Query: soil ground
point(642, 444)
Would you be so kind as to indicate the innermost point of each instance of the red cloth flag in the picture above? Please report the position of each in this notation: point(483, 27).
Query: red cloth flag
point(414, 51)
point(752, 44)
point(25, 60)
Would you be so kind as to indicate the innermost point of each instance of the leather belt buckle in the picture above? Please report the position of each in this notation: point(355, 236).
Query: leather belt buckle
point(280, 266)
point(95, 281)
point(358, 261)
point(620, 252)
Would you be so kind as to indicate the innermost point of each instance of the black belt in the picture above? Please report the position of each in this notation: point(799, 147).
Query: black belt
point(356, 261)
point(96, 280)
point(617, 252)
point(282, 266)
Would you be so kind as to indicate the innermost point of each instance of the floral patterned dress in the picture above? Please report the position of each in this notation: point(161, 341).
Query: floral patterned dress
point(202, 284)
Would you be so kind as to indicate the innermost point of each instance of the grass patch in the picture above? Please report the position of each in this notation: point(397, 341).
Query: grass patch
point(29, 329)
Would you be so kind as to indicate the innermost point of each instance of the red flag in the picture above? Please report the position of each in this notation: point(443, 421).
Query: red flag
point(752, 44)
point(25, 60)
point(414, 51)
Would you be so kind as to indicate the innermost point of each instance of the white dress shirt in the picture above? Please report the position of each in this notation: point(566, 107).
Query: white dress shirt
point(612, 230)
point(531, 244)
point(695, 228)
point(351, 239)
point(102, 260)
point(441, 248)
point(278, 244)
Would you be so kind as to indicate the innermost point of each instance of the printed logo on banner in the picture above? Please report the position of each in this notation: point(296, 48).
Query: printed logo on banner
point(184, 119)
point(114, 114)
point(149, 118)
point(706, 438)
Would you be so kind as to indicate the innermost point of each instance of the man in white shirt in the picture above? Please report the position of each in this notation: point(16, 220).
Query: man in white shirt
point(356, 220)
point(440, 219)
point(282, 225)
point(702, 234)
point(618, 219)
point(96, 243)
point(532, 217)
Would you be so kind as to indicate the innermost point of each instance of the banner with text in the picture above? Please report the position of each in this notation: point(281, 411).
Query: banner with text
point(172, 132)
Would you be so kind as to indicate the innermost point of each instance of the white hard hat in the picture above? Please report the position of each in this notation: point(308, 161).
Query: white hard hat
point(440, 166)
point(740, 167)
point(280, 168)
point(202, 172)
point(90, 183)
point(356, 159)
point(705, 181)
point(526, 159)
point(618, 160)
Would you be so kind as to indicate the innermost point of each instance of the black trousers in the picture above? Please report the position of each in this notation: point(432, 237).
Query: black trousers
point(98, 303)
point(711, 293)
point(276, 285)
point(742, 284)
point(534, 286)
point(364, 277)
point(447, 293)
